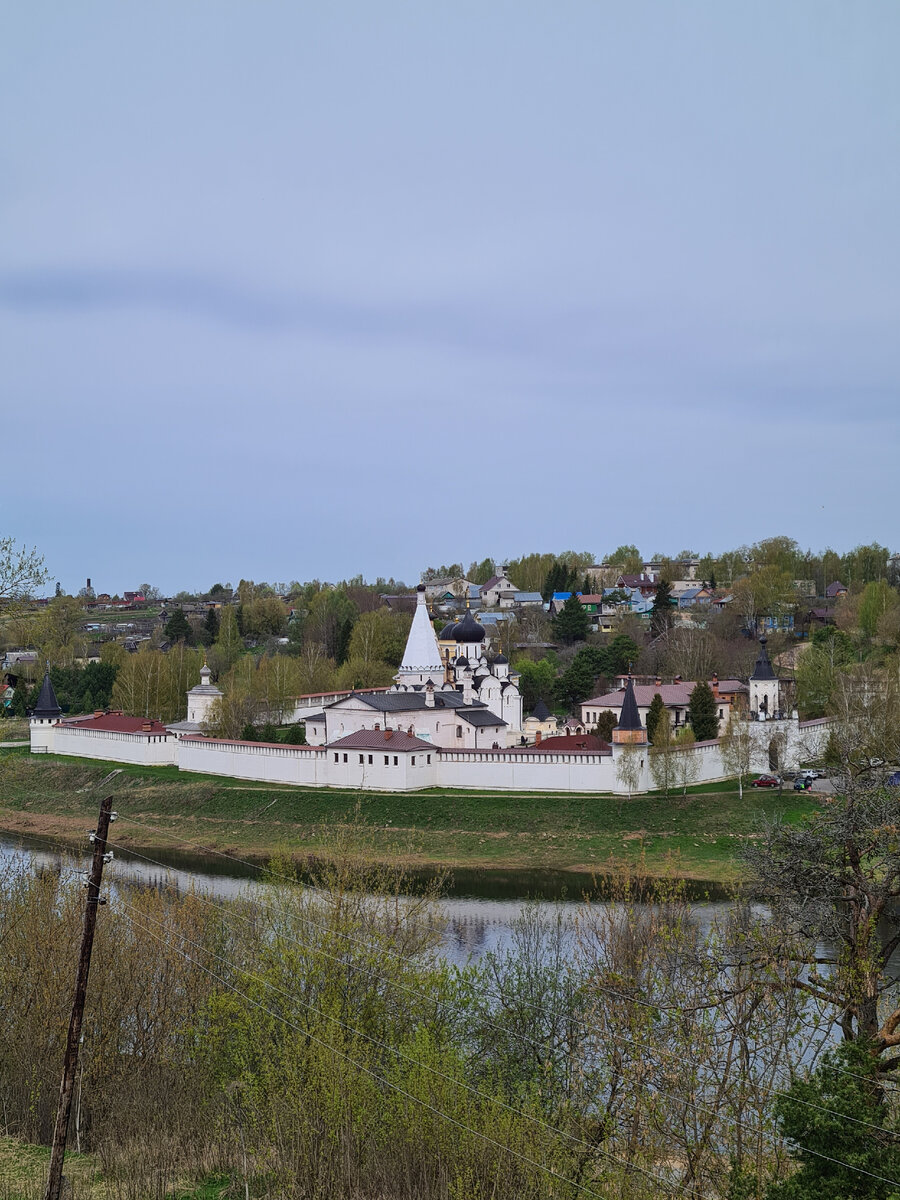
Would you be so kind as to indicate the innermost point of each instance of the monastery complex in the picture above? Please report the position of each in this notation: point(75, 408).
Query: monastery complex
point(452, 719)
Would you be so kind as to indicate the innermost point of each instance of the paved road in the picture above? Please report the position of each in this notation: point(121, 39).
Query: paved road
point(12, 745)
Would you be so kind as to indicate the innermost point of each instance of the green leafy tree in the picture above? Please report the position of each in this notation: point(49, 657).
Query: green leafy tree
point(655, 713)
point(572, 623)
point(577, 681)
point(229, 645)
point(536, 679)
point(702, 714)
point(296, 735)
point(22, 573)
point(178, 628)
point(843, 1141)
point(627, 558)
point(481, 572)
point(661, 612)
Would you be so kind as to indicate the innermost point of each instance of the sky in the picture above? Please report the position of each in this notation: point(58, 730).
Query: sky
point(295, 290)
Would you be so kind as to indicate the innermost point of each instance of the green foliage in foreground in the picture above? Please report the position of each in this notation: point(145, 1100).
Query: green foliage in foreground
point(840, 1126)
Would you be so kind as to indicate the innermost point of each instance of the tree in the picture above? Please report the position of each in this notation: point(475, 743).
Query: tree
point(833, 886)
point(296, 735)
point(211, 625)
point(577, 682)
point(655, 713)
point(838, 1126)
point(332, 615)
point(686, 760)
point(249, 734)
point(878, 601)
point(379, 637)
point(661, 756)
point(627, 558)
point(536, 679)
point(481, 572)
point(22, 572)
point(59, 632)
point(661, 612)
point(629, 764)
point(621, 653)
point(150, 593)
point(229, 645)
point(737, 746)
point(606, 723)
point(178, 628)
point(767, 592)
point(702, 714)
point(572, 623)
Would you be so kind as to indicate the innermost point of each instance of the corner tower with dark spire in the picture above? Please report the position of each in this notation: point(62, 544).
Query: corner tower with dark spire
point(43, 717)
point(629, 731)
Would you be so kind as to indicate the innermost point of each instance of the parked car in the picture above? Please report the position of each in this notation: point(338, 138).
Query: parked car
point(772, 781)
point(802, 783)
point(813, 773)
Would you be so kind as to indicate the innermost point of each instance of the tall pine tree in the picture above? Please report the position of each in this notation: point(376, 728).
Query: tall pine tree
point(702, 715)
point(573, 622)
point(661, 612)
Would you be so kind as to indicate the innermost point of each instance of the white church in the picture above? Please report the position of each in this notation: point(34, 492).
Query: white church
point(452, 719)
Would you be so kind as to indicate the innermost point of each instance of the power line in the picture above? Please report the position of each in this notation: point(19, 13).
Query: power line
point(700, 1107)
point(368, 945)
point(399, 1053)
point(368, 1070)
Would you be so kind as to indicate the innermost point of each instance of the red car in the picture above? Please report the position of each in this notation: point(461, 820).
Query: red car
point(767, 781)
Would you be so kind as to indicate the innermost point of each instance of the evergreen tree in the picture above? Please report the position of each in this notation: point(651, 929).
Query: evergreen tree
point(296, 735)
point(656, 710)
point(178, 628)
point(712, 580)
point(19, 707)
point(661, 612)
point(211, 625)
point(269, 732)
point(702, 715)
point(621, 652)
point(606, 723)
point(249, 734)
point(572, 623)
point(837, 1116)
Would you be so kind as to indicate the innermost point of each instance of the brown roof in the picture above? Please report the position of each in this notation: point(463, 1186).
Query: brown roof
point(674, 695)
point(573, 743)
point(380, 739)
point(118, 723)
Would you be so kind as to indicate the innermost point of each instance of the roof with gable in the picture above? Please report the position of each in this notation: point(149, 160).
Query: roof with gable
point(570, 743)
point(116, 722)
point(380, 739)
point(492, 583)
point(47, 704)
point(391, 702)
point(835, 589)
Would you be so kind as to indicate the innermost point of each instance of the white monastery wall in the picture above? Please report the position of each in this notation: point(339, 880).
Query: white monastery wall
point(251, 760)
point(155, 750)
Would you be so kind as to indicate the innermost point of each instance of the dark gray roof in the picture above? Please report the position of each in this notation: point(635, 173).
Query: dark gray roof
point(47, 704)
point(500, 658)
point(479, 717)
point(629, 718)
point(763, 668)
point(541, 711)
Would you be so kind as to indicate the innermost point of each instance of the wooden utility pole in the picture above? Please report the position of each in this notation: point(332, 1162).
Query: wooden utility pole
point(70, 1062)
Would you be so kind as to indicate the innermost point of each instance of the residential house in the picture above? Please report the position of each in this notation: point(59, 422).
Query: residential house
point(497, 587)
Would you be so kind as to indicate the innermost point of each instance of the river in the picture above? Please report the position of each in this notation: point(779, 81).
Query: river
point(479, 908)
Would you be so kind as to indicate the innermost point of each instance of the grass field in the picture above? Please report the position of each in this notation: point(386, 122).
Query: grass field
point(23, 1176)
point(694, 836)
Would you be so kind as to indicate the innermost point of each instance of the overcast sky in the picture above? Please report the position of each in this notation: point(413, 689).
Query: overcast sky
point(295, 290)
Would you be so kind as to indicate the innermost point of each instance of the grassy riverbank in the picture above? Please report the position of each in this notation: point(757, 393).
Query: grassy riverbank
point(694, 836)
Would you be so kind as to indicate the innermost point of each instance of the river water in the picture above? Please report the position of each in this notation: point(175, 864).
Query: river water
point(479, 909)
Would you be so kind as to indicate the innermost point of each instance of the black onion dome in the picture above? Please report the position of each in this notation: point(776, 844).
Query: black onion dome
point(462, 661)
point(447, 633)
point(501, 658)
point(468, 630)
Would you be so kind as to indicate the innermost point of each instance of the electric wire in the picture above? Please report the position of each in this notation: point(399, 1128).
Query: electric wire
point(375, 1074)
point(753, 1129)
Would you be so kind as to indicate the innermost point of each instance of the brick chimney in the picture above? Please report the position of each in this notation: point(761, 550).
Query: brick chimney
point(147, 727)
point(388, 734)
point(537, 738)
